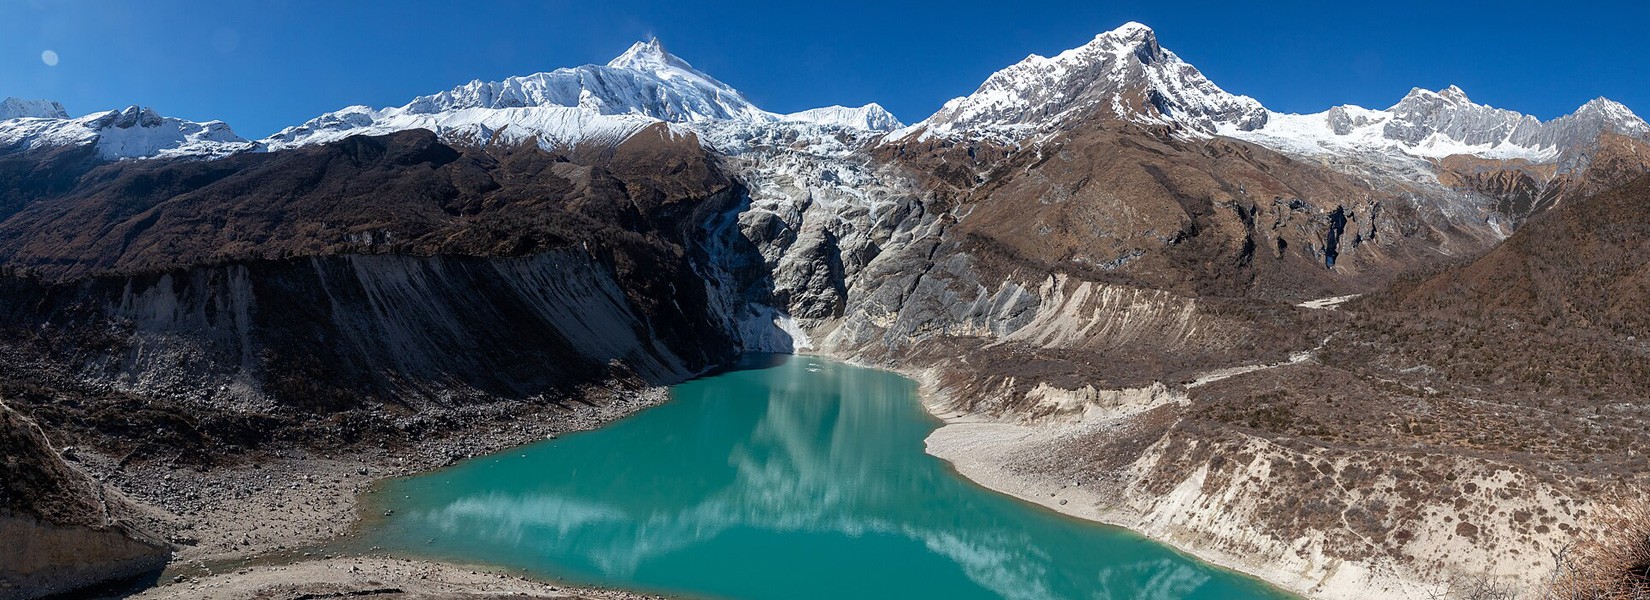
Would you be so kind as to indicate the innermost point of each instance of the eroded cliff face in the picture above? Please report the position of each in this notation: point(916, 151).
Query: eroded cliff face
point(324, 333)
point(63, 530)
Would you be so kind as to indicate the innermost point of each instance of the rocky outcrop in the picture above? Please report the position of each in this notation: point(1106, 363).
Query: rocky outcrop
point(63, 530)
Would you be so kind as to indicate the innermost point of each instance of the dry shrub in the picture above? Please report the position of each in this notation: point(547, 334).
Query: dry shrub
point(1614, 567)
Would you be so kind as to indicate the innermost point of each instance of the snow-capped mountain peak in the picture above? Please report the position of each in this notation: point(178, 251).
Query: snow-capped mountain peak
point(1123, 73)
point(564, 107)
point(650, 57)
point(1614, 114)
point(1453, 94)
point(1136, 35)
point(139, 132)
point(18, 108)
point(133, 132)
point(1436, 124)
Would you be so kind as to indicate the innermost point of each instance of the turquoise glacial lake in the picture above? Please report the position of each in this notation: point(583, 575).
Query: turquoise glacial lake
point(793, 478)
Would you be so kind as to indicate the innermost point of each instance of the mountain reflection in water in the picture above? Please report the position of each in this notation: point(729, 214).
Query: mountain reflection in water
point(804, 479)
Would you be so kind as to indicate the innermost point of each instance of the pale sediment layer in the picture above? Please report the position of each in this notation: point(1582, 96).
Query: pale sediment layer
point(373, 577)
point(1216, 509)
point(984, 451)
point(992, 452)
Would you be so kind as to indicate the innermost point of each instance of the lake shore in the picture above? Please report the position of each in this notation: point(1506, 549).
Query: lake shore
point(253, 529)
point(374, 577)
point(249, 532)
point(983, 451)
point(987, 452)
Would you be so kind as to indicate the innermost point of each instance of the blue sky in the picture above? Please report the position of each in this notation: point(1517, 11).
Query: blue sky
point(263, 65)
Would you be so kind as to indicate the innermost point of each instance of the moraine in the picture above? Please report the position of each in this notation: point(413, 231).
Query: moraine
point(796, 478)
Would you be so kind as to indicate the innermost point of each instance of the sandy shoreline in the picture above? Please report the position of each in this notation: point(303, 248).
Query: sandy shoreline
point(983, 450)
point(370, 577)
point(259, 529)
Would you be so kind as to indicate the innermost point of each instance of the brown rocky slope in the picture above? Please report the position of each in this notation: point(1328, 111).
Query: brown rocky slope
point(63, 530)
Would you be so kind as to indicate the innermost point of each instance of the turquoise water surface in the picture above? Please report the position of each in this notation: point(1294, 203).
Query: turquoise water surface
point(797, 478)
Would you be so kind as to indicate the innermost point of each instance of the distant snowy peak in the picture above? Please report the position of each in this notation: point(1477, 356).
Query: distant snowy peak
point(1122, 73)
point(567, 106)
point(871, 117)
point(645, 81)
point(1433, 124)
point(18, 108)
point(141, 133)
point(135, 132)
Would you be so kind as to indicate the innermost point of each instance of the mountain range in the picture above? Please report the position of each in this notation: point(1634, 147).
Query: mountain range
point(1145, 274)
point(1122, 74)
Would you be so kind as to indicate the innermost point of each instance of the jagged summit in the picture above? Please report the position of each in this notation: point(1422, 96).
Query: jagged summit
point(651, 57)
point(1138, 35)
point(644, 53)
point(1453, 93)
point(644, 80)
point(1123, 73)
point(1132, 28)
point(1615, 114)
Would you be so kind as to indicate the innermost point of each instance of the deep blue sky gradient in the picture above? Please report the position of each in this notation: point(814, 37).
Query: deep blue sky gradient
point(264, 65)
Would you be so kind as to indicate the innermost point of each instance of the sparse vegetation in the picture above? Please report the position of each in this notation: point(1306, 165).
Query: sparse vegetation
point(1613, 567)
